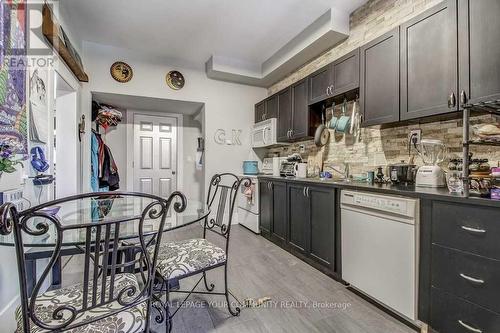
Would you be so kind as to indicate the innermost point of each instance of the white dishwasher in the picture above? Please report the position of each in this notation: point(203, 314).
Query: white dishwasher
point(380, 248)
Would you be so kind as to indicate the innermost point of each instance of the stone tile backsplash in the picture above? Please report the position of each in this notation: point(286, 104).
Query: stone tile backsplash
point(379, 146)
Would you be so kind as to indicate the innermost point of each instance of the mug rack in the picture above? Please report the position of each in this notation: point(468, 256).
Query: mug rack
point(491, 107)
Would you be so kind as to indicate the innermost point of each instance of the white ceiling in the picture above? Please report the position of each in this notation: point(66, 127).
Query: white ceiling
point(194, 30)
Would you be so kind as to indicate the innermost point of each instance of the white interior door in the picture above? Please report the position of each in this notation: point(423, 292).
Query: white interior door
point(155, 154)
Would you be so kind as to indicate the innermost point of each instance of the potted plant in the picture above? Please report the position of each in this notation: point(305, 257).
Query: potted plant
point(9, 177)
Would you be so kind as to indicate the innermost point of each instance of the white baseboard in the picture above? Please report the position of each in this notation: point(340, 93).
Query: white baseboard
point(7, 315)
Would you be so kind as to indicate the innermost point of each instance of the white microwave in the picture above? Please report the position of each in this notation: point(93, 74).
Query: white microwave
point(265, 134)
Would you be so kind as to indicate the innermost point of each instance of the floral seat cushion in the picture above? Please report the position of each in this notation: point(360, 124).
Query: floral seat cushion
point(176, 259)
point(131, 320)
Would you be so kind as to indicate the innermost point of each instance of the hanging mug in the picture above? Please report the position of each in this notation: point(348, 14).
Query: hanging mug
point(344, 123)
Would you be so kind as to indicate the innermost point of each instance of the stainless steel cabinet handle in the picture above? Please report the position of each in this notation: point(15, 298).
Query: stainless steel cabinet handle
point(328, 91)
point(304, 191)
point(308, 191)
point(452, 101)
point(471, 279)
point(463, 97)
point(291, 133)
point(470, 328)
point(474, 230)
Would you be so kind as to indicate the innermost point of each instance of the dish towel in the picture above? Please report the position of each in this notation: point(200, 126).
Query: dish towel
point(248, 193)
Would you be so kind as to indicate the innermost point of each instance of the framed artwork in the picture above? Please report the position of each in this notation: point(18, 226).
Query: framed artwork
point(13, 113)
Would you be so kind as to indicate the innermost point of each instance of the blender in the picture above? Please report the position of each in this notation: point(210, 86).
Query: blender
point(430, 174)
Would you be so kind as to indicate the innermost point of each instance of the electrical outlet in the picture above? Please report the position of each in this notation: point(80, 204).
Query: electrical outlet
point(415, 136)
point(302, 149)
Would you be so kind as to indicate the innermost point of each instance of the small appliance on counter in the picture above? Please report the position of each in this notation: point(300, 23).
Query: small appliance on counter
point(432, 153)
point(288, 167)
point(250, 168)
point(301, 170)
point(271, 165)
point(402, 173)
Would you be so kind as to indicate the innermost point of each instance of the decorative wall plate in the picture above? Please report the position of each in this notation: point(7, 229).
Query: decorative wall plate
point(175, 80)
point(121, 72)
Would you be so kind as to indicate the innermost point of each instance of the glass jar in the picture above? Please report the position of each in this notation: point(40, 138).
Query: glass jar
point(455, 183)
point(452, 165)
point(484, 165)
point(474, 165)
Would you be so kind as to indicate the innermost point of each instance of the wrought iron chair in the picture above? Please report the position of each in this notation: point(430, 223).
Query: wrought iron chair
point(182, 259)
point(107, 299)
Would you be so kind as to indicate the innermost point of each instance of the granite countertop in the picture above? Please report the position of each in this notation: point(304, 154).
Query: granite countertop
point(403, 190)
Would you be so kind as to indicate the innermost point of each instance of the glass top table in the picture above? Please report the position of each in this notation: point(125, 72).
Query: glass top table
point(95, 210)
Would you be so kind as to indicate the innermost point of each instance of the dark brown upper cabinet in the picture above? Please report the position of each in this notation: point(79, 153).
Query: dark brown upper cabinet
point(479, 50)
point(293, 119)
point(334, 79)
point(320, 84)
point(300, 119)
point(345, 73)
point(284, 115)
point(266, 109)
point(260, 110)
point(379, 86)
point(272, 107)
point(429, 62)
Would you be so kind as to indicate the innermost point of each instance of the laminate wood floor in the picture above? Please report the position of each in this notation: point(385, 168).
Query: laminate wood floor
point(302, 298)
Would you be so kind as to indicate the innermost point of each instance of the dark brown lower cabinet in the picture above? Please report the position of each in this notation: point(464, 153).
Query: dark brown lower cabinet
point(298, 204)
point(279, 226)
point(450, 314)
point(266, 206)
point(273, 213)
point(459, 283)
point(322, 226)
point(307, 213)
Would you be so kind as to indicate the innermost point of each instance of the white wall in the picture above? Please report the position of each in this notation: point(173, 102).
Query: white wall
point(9, 290)
point(227, 106)
point(67, 146)
point(122, 153)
